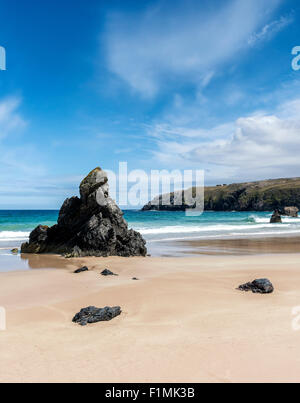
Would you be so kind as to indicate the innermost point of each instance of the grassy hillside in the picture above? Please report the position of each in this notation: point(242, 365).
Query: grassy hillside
point(264, 195)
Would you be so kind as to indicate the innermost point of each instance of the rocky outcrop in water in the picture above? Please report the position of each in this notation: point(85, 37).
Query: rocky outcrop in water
point(276, 218)
point(92, 314)
point(92, 225)
point(291, 211)
point(261, 286)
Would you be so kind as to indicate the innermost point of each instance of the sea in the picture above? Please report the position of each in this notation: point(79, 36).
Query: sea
point(158, 228)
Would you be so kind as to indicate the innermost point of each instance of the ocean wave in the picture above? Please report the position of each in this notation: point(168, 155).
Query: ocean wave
point(210, 228)
point(233, 235)
point(266, 220)
point(13, 235)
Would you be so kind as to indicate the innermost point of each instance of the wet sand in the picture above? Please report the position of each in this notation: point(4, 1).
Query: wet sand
point(243, 246)
point(183, 321)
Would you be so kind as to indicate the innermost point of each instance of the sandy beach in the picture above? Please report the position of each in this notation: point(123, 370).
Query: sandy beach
point(150, 173)
point(183, 321)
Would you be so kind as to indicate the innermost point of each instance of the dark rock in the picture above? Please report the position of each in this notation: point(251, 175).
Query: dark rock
point(92, 225)
point(15, 251)
point(107, 272)
point(36, 240)
point(291, 211)
point(262, 286)
point(135, 279)
point(83, 269)
point(276, 218)
point(92, 314)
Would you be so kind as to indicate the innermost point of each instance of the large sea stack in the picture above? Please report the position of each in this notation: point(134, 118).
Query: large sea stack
point(92, 225)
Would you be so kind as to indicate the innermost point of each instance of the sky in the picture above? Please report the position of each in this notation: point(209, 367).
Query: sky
point(160, 84)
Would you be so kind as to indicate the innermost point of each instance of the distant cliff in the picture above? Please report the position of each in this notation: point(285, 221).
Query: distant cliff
point(265, 195)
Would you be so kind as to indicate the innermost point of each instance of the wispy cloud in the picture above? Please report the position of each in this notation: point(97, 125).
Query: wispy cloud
point(20, 165)
point(10, 118)
point(164, 45)
point(269, 30)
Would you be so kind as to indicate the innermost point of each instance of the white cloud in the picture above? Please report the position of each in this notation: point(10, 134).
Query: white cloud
point(11, 123)
point(13, 157)
point(262, 145)
point(10, 119)
point(20, 166)
point(165, 131)
point(163, 44)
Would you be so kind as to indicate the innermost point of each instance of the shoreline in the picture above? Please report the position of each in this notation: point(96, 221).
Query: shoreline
point(228, 246)
point(171, 249)
point(183, 321)
point(245, 246)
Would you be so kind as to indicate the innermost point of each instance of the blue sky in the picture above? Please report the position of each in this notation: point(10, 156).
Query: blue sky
point(161, 84)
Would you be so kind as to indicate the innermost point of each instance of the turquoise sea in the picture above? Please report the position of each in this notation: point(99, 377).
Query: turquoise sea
point(15, 226)
point(156, 227)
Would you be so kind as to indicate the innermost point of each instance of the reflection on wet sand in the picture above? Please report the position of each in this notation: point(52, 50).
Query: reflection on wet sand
point(244, 246)
point(46, 261)
point(268, 245)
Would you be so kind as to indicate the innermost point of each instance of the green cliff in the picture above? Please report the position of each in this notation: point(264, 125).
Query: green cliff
point(266, 195)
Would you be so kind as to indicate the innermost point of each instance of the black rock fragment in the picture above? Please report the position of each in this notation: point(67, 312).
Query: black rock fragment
point(92, 314)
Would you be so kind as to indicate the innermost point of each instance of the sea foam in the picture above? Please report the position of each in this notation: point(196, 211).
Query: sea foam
point(13, 235)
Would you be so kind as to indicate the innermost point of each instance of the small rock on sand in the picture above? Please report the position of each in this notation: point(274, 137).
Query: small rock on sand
point(261, 286)
point(107, 272)
point(81, 270)
point(92, 314)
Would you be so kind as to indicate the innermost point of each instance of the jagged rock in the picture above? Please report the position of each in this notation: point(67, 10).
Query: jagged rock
point(262, 286)
point(107, 272)
point(83, 269)
point(76, 252)
point(276, 218)
point(291, 211)
point(92, 225)
point(15, 251)
point(92, 314)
